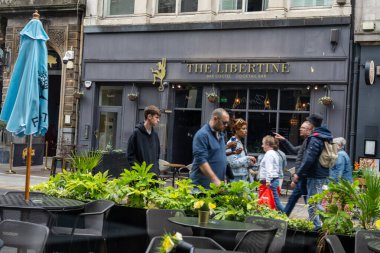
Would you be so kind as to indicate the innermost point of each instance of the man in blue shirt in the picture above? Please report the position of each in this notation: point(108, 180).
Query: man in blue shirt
point(209, 151)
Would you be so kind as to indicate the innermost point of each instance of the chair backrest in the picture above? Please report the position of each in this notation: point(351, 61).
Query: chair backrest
point(161, 165)
point(280, 237)
point(158, 223)
point(334, 244)
point(30, 214)
point(197, 241)
point(95, 213)
point(362, 237)
point(23, 235)
point(256, 240)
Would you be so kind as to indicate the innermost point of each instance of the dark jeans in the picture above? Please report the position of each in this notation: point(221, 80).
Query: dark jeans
point(298, 191)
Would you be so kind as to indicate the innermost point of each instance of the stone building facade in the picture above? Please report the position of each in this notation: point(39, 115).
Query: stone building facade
point(62, 20)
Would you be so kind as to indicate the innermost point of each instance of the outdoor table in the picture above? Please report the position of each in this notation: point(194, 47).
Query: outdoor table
point(174, 167)
point(43, 201)
point(374, 246)
point(222, 231)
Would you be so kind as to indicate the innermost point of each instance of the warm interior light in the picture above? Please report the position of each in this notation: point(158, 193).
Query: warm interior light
point(267, 103)
point(308, 87)
point(294, 121)
point(316, 87)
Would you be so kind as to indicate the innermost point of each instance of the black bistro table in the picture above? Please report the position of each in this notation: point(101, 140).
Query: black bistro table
point(374, 246)
point(40, 200)
point(222, 231)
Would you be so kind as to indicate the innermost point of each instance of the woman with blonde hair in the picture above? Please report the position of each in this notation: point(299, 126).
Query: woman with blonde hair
point(271, 167)
point(238, 160)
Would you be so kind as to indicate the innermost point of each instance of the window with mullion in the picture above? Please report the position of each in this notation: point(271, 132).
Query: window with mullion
point(310, 3)
point(120, 7)
point(228, 5)
point(166, 6)
point(189, 5)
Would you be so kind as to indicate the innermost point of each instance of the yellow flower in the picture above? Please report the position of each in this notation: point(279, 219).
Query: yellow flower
point(168, 244)
point(377, 224)
point(198, 204)
point(211, 205)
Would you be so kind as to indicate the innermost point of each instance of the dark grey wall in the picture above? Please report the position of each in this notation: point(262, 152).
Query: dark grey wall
point(368, 120)
point(130, 56)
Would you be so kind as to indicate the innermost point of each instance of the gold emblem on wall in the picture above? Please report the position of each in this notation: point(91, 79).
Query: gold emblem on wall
point(160, 73)
point(25, 152)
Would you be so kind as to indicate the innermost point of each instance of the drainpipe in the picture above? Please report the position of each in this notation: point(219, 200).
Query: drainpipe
point(79, 82)
point(352, 107)
point(354, 99)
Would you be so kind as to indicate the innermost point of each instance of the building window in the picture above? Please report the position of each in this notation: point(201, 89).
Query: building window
point(249, 5)
point(172, 6)
point(268, 110)
point(120, 7)
point(110, 96)
point(229, 5)
point(311, 3)
point(189, 5)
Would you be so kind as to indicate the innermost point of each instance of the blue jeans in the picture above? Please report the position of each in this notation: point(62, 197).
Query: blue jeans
point(273, 186)
point(298, 191)
point(314, 186)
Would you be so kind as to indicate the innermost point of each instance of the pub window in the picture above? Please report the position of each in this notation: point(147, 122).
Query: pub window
point(174, 6)
point(120, 7)
point(280, 110)
point(310, 3)
point(110, 96)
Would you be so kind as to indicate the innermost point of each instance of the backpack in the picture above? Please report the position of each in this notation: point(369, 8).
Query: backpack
point(329, 154)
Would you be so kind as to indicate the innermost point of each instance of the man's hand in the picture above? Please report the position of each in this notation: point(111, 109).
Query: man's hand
point(216, 181)
point(292, 185)
point(295, 178)
point(267, 183)
point(278, 136)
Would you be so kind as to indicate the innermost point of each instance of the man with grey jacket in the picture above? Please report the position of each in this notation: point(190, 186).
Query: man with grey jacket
point(299, 188)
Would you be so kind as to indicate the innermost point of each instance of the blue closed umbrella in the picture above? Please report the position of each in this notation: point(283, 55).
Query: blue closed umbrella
point(26, 105)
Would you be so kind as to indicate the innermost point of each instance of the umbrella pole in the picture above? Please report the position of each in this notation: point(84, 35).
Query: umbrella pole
point(28, 164)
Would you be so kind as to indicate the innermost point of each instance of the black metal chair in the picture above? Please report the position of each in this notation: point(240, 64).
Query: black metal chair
point(256, 241)
point(197, 241)
point(363, 237)
point(23, 236)
point(89, 226)
point(158, 224)
point(35, 215)
point(334, 244)
point(268, 223)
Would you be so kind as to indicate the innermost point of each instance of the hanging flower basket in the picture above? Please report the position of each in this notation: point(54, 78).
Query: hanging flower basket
point(212, 98)
point(327, 101)
point(133, 96)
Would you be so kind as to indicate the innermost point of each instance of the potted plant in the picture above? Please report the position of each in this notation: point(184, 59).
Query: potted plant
point(326, 100)
point(132, 96)
point(212, 97)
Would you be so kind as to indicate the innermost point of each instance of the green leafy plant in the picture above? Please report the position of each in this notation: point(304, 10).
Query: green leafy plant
point(345, 201)
point(86, 161)
point(134, 187)
point(300, 224)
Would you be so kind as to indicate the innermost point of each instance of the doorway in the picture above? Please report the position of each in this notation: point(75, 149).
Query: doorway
point(55, 75)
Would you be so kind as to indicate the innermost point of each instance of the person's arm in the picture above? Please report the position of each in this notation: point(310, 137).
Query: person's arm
point(208, 172)
point(200, 154)
point(293, 150)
